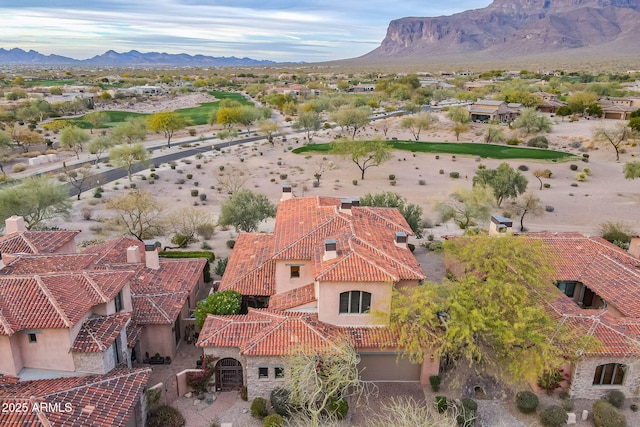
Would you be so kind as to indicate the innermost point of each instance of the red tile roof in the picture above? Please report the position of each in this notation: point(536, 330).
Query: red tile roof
point(277, 333)
point(57, 300)
point(604, 268)
point(115, 251)
point(366, 250)
point(42, 264)
point(98, 334)
point(98, 400)
point(293, 298)
point(35, 242)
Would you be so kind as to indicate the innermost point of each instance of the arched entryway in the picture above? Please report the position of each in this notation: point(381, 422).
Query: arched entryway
point(228, 373)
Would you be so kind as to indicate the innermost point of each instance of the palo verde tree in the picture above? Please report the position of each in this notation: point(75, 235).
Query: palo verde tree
point(100, 145)
point(492, 316)
point(505, 181)
point(127, 156)
point(79, 178)
point(36, 199)
point(412, 213)
point(460, 117)
point(96, 119)
point(73, 138)
point(132, 130)
point(319, 379)
point(614, 136)
point(531, 121)
point(309, 121)
point(168, 122)
point(6, 148)
point(466, 207)
point(364, 153)
point(138, 214)
point(528, 203)
point(494, 134)
point(418, 123)
point(267, 128)
point(352, 118)
point(245, 210)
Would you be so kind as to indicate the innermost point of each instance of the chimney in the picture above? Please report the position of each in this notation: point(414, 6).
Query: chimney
point(345, 205)
point(286, 193)
point(634, 246)
point(355, 202)
point(14, 224)
point(151, 254)
point(330, 251)
point(500, 225)
point(401, 239)
point(133, 255)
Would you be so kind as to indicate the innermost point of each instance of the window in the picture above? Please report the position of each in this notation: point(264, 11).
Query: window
point(118, 302)
point(263, 372)
point(33, 338)
point(355, 302)
point(610, 374)
point(567, 287)
point(279, 371)
point(295, 271)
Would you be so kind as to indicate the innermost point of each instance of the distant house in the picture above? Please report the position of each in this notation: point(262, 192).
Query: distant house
point(619, 108)
point(549, 102)
point(326, 268)
point(486, 110)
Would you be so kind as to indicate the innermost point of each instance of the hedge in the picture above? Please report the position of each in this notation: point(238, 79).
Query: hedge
point(208, 255)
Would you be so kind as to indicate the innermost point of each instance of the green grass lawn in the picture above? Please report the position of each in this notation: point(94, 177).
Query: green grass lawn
point(490, 151)
point(46, 83)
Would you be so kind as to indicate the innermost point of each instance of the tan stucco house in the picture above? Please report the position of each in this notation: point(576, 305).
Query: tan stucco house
point(326, 268)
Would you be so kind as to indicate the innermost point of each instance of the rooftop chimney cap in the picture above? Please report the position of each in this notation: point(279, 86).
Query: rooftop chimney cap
point(401, 237)
point(286, 188)
point(151, 245)
point(355, 201)
point(330, 244)
point(346, 203)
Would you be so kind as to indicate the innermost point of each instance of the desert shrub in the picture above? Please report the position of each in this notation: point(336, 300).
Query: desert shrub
point(198, 166)
point(573, 167)
point(205, 230)
point(259, 407)
point(392, 177)
point(221, 167)
point(165, 416)
point(467, 412)
point(616, 398)
point(354, 182)
point(181, 240)
point(513, 141)
point(546, 185)
point(220, 268)
point(581, 177)
point(411, 247)
point(422, 182)
point(550, 380)
point(87, 213)
point(441, 171)
point(273, 420)
point(338, 407)
point(393, 183)
point(523, 168)
point(454, 174)
point(244, 393)
point(549, 208)
point(441, 404)
point(192, 132)
point(538, 142)
point(231, 243)
point(194, 193)
point(553, 416)
point(527, 402)
point(280, 400)
point(606, 415)
point(179, 181)
point(574, 184)
point(575, 144)
point(616, 232)
point(283, 176)
point(19, 167)
point(203, 197)
point(435, 381)
point(189, 175)
point(633, 407)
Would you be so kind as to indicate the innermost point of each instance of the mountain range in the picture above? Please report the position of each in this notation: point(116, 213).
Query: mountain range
point(517, 28)
point(132, 58)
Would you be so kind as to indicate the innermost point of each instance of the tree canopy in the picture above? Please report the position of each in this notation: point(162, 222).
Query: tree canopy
point(412, 213)
point(531, 121)
point(138, 214)
point(73, 138)
point(632, 170)
point(167, 122)
point(36, 199)
point(466, 207)
point(130, 131)
point(221, 303)
point(614, 136)
point(352, 118)
point(505, 181)
point(418, 123)
point(126, 156)
point(245, 210)
point(364, 153)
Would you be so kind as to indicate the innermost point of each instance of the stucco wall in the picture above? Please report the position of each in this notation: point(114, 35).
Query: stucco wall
point(582, 384)
point(329, 302)
point(157, 339)
point(285, 282)
point(51, 351)
point(10, 357)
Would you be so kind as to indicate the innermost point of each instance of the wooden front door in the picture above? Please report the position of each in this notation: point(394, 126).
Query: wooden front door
point(228, 375)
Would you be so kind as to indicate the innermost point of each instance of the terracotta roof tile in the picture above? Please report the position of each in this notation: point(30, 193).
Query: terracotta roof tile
point(35, 242)
point(251, 270)
point(97, 334)
point(277, 333)
point(293, 298)
point(98, 400)
point(42, 264)
point(133, 334)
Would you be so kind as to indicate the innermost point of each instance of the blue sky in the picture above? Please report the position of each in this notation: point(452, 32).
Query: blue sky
point(279, 30)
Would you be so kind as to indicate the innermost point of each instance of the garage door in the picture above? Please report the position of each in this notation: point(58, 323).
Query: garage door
point(387, 367)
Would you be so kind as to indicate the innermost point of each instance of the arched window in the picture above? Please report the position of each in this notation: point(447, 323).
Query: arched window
point(354, 302)
point(610, 374)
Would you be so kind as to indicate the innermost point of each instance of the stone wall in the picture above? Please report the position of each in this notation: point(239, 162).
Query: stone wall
point(261, 387)
point(90, 362)
point(582, 386)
